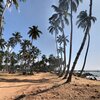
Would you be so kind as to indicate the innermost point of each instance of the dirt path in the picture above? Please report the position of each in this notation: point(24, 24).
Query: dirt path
point(46, 86)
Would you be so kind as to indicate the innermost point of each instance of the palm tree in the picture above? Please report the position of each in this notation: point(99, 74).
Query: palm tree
point(13, 61)
point(87, 49)
point(72, 4)
point(25, 52)
point(53, 28)
point(60, 51)
point(90, 18)
point(62, 39)
point(61, 16)
point(82, 23)
point(1, 58)
point(17, 37)
point(34, 32)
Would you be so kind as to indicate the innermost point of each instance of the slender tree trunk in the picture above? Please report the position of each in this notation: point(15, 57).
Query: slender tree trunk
point(85, 55)
point(56, 44)
point(77, 57)
point(81, 48)
point(62, 73)
point(70, 50)
point(1, 20)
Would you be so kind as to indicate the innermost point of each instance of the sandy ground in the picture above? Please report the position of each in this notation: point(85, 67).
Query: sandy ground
point(46, 86)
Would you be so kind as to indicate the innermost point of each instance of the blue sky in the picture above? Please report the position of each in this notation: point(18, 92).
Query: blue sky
point(37, 12)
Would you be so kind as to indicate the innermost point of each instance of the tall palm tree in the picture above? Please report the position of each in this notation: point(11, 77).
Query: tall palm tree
point(61, 39)
point(72, 5)
point(90, 19)
point(87, 49)
point(82, 23)
point(61, 16)
point(54, 28)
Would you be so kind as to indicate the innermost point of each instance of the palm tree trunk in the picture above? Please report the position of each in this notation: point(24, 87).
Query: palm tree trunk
point(70, 50)
point(77, 57)
point(56, 45)
point(81, 48)
point(85, 55)
point(1, 20)
point(62, 72)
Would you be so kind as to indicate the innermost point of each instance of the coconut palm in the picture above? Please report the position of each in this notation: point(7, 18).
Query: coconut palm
point(83, 21)
point(61, 16)
point(1, 59)
point(85, 58)
point(9, 45)
point(63, 40)
point(25, 52)
point(54, 28)
point(34, 32)
point(72, 5)
point(17, 37)
point(90, 19)
point(60, 51)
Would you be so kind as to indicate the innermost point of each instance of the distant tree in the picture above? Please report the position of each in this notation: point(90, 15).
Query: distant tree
point(17, 37)
point(2, 44)
point(1, 59)
point(13, 61)
point(28, 54)
point(61, 39)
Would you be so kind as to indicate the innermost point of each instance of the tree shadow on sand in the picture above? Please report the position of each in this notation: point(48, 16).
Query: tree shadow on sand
point(20, 97)
point(43, 80)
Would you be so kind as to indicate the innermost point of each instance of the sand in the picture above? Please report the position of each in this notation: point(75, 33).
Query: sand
point(47, 86)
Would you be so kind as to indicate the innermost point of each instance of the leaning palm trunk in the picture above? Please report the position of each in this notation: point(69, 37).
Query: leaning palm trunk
point(85, 55)
point(82, 45)
point(70, 49)
point(77, 56)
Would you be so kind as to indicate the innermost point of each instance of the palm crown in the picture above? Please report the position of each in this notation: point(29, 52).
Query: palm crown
point(84, 20)
point(34, 32)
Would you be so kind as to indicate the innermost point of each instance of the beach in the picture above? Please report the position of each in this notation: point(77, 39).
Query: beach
point(47, 86)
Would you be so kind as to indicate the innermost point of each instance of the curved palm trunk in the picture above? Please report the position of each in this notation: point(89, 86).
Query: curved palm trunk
point(81, 48)
point(70, 50)
point(77, 57)
point(85, 55)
